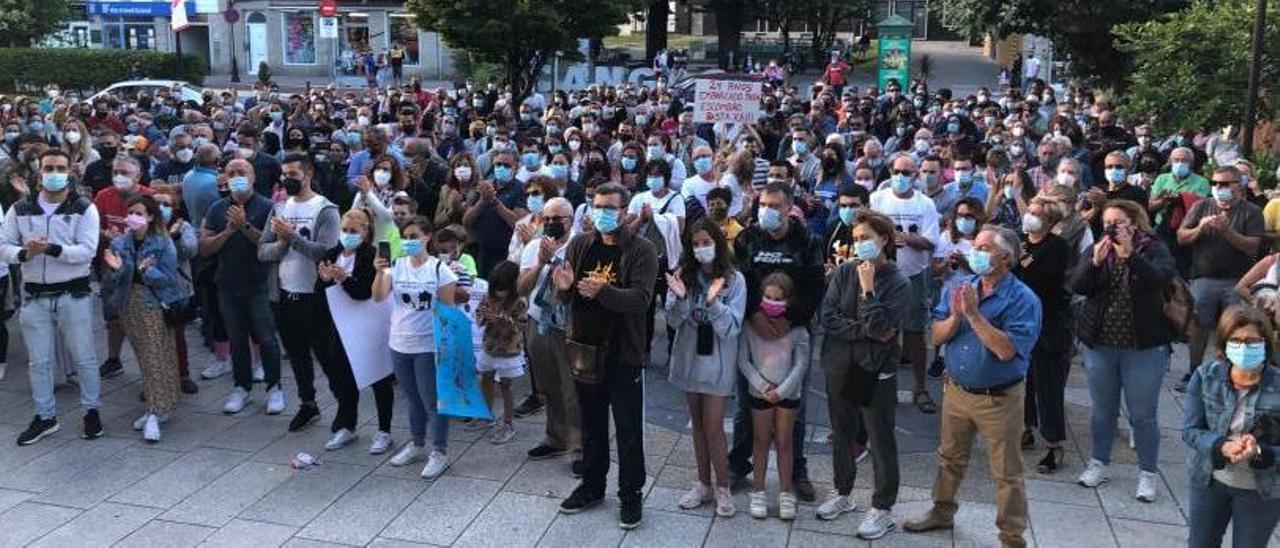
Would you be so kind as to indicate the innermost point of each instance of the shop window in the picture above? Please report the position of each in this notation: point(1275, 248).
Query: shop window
point(405, 33)
point(299, 38)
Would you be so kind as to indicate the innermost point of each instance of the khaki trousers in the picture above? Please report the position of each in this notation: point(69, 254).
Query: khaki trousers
point(549, 364)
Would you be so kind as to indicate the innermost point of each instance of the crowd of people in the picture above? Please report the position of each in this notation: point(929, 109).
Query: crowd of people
point(858, 233)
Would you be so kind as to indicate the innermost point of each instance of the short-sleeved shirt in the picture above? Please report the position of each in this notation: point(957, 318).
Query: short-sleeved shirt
point(672, 203)
point(491, 231)
point(914, 215)
point(1211, 255)
point(1013, 309)
point(238, 266)
point(541, 296)
point(1271, 215)
point(1194, 183)
point(414, 291)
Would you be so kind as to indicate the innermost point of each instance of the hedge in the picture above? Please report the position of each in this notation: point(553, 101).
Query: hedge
point(28, 69)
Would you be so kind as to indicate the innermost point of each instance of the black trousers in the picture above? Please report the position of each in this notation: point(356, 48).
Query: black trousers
point(1046, 383)
point(623, 391)
point(305, 329)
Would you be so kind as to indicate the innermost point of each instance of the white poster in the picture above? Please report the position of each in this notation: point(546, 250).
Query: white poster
point(732, 101)
point(364, 330)
point(328, 27)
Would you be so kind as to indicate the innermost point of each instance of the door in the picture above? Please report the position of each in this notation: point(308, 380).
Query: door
point(257, 41)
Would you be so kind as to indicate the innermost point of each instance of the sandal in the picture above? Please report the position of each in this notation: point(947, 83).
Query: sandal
point(924, 402)
point(1049, 464)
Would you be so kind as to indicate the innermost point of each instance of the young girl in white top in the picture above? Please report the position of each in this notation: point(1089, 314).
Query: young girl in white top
point(415, 283)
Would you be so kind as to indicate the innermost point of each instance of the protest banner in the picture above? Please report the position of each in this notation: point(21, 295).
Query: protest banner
point(730, 101)
point(364, 331)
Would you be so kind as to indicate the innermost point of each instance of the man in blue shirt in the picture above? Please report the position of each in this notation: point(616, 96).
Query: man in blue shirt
point(967, 184)
point(375, 145)
point(989, 323)
point(200, 186)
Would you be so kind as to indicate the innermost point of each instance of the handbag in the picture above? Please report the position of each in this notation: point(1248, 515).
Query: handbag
point(585, 362)
point(1179, 309)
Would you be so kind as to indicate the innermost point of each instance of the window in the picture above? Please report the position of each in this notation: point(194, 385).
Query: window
point(299, 38)
point(404, 33)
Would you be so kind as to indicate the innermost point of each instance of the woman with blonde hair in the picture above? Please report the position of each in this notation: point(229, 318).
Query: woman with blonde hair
point(77, 144)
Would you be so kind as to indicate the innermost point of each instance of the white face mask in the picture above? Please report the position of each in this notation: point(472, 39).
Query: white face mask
point(574, 145)
point(73, 137)
point(245, 153)
point(185, 155)
point(362, 121)
point(122, 182)
point(1064, 178)
point(462, 173)
point(382, 177)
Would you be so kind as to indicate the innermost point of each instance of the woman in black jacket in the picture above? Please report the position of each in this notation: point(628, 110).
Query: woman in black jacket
point(350, 263)
point(1125, 337)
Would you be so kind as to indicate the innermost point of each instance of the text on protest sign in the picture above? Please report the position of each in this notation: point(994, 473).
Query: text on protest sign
point(727, 101)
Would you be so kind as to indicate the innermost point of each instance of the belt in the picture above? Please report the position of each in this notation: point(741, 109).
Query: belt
point(997, 390)
point(294, 297)
point(78, 285)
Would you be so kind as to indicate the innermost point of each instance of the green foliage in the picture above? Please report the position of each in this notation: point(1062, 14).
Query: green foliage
point(24, 21)
point(1191, 69)
point(1079, 29)
point(481, 73)
point(26, 69)
point(520, 35)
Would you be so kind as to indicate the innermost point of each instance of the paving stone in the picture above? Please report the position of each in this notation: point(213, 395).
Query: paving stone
point(240, 533)
point(1119, 502)
point(252, 433)
point(668, 529)
point(96, 483)
point(312, 441)
point(813, 539)
point(1068, 493)
point(442, 512)
point(511, 520)
point(544, 478)
point(487, 461)
point(299, 542)
point(597, 527)
point(10, 498)
point(191, 430)
point(364, 511)
point(101, 525)
point(28, 521)
point(381, 542)
point(743, 530)
point(229, 495)
point(668, 500)
point(305, 494)
point(46, 471)
point(182, 477)
point(1056, 524)
point(1144, 533)
point(166, 534)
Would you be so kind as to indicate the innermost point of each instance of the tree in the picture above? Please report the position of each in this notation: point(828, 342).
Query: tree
point(22, 22)
point(1191, 67)
point(520, 35)
point(731, 16)
point(655, 36)
point(1079, 28)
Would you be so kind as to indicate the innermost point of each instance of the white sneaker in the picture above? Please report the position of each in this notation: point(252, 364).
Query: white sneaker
point(836, 505)
point(381, 443)
point(1094, 474)
point(259, 374)
point(1147, 482)
point(340, 439)
point(724, 503)
point(695, 496)
point(408, 454)
point(759, 507)
point(151, 429)
point(236, 401)
point(436, 465)
point(787, 506)
point(215, 370)
point(142, 421)
point(876, 524)
point(275, 401)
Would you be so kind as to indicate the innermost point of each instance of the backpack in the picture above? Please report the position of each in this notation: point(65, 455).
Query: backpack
point(1179, 309)
point(654, 235)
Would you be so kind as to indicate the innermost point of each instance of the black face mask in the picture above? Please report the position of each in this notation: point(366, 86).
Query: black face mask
point(107, 153)
point(830, 163)
point(224, 193)
point(292, 186)
point(555, 230)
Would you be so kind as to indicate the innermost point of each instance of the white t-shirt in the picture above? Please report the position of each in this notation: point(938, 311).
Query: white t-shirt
point(414, 292)
point(347, 262)
point(477, 292)
point(297, 271)
point(917, 215)
point(528, 260)
point(674, 203)
point(698, 187)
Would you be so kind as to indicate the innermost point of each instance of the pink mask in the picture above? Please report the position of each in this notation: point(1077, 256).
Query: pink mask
point(135, 221)
point(772, 308)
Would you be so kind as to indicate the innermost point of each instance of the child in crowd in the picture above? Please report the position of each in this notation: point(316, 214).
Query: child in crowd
point(502, 316)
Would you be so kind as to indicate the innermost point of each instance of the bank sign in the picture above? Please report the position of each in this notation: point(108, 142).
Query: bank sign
point(131, 8)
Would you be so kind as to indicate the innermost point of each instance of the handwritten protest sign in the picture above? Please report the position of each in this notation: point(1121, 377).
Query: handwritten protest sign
point(726, 101)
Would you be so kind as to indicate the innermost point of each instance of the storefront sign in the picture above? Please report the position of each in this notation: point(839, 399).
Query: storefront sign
point(727, 101)
point(328, 27)
point(130, 8)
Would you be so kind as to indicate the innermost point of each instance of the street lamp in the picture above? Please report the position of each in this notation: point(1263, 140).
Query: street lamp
point(1255, 74)
point(231, 16)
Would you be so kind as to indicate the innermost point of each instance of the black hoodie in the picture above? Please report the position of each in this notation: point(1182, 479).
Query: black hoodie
point(798, 254)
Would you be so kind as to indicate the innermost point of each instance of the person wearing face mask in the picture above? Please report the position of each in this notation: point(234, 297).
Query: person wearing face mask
point(54, 235)
point(376, 145)
point(1228, 427)
point(705, 305)
point(458, 192)
point(967, 183)
point(1116, 173)
point(77, 144)
point(181, 159)
point(536, 194)
point(990, 321)
point(186, 245)
point(658, 215)
point(142, 267)
point(103, 118)
point(531, 164)
point(695, 188)
point(965, 219)
point(718, 210)
point(839, 238)
point(861, 315)
point(493, 215)
point(802, 158)
point(266, 168)
point(113, 212)
point(97, 175)
point(1169, 192)
point(375, 192)
point(1125, 346)
point(1223, 235)
point(302, 229)
point(331, 174)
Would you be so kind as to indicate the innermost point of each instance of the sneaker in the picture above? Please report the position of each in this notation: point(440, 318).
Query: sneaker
point(1147, 482)
point(835, 505)
point(630, 513)
point(544, 451)
point(151, 429)
point(1094, 474)
point(408, 454)
point(1181, 385)
point(110, 368)
point(759, 506)
point(259, 374)
point(876, 524)
point(38, 429)
point(725, 507)
point(142, 421)
point(928, 521)
point(92, 425)
point(306, 413)
point(189, 386)
point(502, 433)
point(236, 401)
point(381, 443)
point(577, 469)
point(787, 506)
point(695, 496)
point(215, 370)
point(437, 462)
point(531, 404)
point(804, 490)
point(275, 401)
point(340, 439)
point(580, 499)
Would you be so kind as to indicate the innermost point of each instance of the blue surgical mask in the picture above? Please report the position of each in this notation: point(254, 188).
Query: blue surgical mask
point(979, 262)
point(54, 182)
point(555, 149)
point(559, 171)
point(847, 214)
point(964, 177)
point(1223, 193)
point(1181, 169)
point(411, 248)
point(770, 219)
point(530, 159)
point(628, 163)
point(535, 204)
point(239, 185)
point(866, 250)
point(350, 240)
point(502, 173)
point(799, 147)
point(166, 212)
point(1116, 175)
point(655, 182)
point(276, 115)
point(703, 165)
point(900, 183)
point(1247, 356)
point(953, 128)
point(656, 151)
point(966, 225)
point(605, 220)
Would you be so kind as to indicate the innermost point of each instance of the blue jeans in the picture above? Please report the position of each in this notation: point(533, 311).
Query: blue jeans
point(247, 316)
point(1138, 373)
point(1210, 297)
point(416, 374)
point(1215, 505)
point(71, 317)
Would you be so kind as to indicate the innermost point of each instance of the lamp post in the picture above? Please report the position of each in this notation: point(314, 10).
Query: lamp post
point(231, 16)
point(1255, 74)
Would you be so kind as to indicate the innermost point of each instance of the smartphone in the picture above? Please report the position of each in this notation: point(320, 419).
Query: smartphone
point(384, 250)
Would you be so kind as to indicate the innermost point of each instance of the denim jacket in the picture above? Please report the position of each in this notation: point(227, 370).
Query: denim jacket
point(1210, 402)
point(161, 279)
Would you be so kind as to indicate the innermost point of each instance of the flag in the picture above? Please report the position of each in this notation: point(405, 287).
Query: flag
point(178, 15)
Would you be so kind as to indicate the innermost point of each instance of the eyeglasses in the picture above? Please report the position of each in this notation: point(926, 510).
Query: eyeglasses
point(902, 172)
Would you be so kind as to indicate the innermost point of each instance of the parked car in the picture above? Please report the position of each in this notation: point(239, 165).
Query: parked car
point(131, 88)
